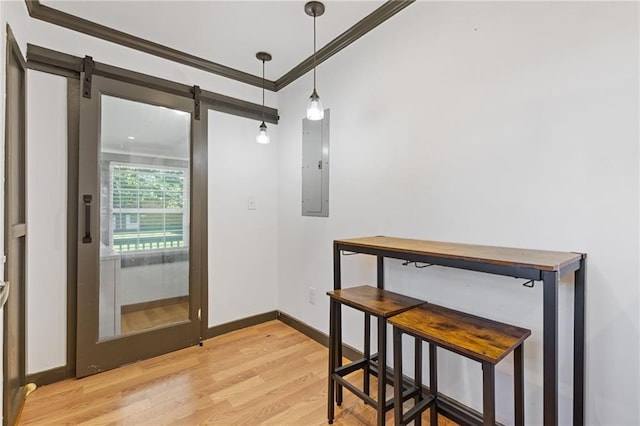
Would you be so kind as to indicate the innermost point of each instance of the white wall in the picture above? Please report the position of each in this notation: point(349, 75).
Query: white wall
point(47, 221)
point(511, 124)
point(139, 284)
point(242, 243)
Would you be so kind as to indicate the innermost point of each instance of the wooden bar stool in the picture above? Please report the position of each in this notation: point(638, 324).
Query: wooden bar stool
point(477, 338)
point(373, 302)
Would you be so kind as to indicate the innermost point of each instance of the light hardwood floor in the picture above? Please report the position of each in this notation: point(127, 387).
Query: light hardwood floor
point(267, 374)
point(144, 319)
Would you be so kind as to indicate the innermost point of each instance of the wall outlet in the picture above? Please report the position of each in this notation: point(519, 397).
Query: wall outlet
point(312, 295)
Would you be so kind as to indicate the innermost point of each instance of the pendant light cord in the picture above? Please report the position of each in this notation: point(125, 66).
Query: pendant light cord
point(263, 90)
point(314, 52)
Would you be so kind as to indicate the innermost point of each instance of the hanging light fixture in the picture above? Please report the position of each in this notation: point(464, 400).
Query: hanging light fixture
point(263, 133)
point(315, 111)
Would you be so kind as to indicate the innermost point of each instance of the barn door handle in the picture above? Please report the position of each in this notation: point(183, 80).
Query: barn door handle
point(87, 218)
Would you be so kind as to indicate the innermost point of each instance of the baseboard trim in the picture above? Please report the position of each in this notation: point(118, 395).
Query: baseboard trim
point(48, 377)
point(228, 327)
point(315, 334)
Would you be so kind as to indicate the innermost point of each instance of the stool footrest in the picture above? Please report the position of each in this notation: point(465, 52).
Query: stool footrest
point(417, 409)
point(351, 367)
point(357, 392)
point(407, 394)
point(358, 364)
point(374, 371)
point(388, 405)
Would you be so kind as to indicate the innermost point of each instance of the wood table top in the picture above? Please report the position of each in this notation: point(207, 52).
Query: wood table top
point(538, 259)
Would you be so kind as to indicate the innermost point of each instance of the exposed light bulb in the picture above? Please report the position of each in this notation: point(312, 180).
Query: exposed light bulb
point(263, 134)
point(315, 111)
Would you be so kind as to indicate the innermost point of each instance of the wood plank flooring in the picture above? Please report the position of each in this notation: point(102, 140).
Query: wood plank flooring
point(144, 319)
point(267, 374)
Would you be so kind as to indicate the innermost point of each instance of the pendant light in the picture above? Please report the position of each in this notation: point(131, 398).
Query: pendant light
point(315, 111)
point(263, 133)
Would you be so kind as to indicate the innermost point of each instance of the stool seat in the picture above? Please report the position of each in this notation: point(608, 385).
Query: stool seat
point(474, 337)
point(375, 301)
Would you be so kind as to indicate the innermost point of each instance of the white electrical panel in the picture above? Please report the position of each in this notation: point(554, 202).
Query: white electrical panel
point(315, 167)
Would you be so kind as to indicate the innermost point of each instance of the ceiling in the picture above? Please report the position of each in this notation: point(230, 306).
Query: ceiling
point(226, 32)
point(130, 127)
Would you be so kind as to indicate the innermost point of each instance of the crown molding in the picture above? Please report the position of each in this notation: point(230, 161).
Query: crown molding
point(14, 49)
point(48, 14)
point(362, 27)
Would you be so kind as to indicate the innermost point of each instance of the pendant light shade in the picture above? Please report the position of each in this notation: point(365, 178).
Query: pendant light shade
point(315, 111)
point(263, 133)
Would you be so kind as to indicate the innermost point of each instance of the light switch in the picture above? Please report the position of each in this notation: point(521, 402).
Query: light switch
point(251, 203)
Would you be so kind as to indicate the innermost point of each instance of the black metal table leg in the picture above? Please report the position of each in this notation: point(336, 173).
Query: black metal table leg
point(337, 285)
point(382, 369)
point(397, 376)
point(550, 347)
point(433, 383)
point(488, 394)
point(366, 385)
point(579, 343)
point(337, 276)
point(338, 349)
point(418, 377)
point(332, 360)
point(518, 384)
point(382, 350)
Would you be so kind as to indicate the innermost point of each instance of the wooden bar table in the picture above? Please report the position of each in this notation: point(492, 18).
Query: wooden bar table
point(537, 265)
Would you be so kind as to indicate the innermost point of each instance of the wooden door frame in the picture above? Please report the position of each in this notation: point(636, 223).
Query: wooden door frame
point(12, 407)
point(73, 146)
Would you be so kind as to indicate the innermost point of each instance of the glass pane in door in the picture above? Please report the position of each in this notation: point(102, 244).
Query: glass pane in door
point(144, 217)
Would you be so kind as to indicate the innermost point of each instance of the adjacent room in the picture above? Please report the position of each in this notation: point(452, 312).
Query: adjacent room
point(307, 213)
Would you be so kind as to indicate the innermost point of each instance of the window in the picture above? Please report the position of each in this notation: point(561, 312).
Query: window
point(148, 207)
